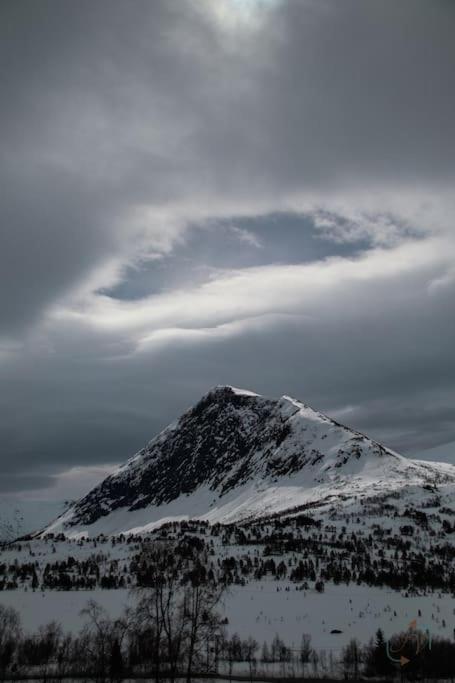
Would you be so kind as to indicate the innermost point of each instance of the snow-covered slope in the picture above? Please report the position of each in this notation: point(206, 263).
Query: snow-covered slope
point(236, 456)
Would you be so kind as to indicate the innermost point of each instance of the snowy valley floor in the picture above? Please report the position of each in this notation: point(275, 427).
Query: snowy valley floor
point(261, 611)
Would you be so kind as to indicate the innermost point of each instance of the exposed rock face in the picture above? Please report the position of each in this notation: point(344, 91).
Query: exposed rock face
point(231, 439)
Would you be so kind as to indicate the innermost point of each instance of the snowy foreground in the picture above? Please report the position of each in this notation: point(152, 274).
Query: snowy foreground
point(261, 611)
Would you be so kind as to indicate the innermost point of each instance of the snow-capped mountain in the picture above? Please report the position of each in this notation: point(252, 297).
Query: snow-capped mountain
point(237, 456)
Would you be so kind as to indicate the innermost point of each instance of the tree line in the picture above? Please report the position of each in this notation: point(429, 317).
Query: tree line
point(300, 551)
point(170, 637)
point(177, 628)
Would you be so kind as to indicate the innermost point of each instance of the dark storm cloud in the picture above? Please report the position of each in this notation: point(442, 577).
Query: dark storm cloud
point(10, 482)
point(106, 104)
point(63, 97)
point(347, 92)
point(159, 128)
point(387, 373)
point(368, 86)
point(50, 236)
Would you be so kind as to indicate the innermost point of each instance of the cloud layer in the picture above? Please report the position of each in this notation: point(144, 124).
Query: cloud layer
point(196, 192)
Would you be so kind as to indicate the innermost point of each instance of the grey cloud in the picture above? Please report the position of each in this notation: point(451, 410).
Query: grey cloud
point(50, 236)
point(380, 352)
point(109, 105)
point(346, 93)
point(16, 481)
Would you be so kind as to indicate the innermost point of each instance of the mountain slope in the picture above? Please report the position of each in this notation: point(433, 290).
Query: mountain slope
point(236, 456)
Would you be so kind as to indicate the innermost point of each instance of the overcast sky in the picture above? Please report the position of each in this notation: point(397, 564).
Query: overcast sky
point(196, 192)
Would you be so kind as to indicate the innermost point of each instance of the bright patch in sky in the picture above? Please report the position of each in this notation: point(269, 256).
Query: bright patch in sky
point(235, 12)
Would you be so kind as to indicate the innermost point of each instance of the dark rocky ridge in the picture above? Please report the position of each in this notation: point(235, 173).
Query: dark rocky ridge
point(227, 439)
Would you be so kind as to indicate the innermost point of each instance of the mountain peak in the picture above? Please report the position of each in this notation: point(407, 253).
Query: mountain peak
point(236, 454)
point(229, 389)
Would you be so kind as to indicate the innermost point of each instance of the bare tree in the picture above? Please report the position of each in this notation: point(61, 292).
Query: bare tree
point(229, 654)
point(314, 659)
point(305, 651)
point(159, 605)
point(178, 606)
point(201, 601)
point(352, 658)
point(10, 631)
point(251, 647)
point(49, 638)
point(64, 655)
point(101, 633)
